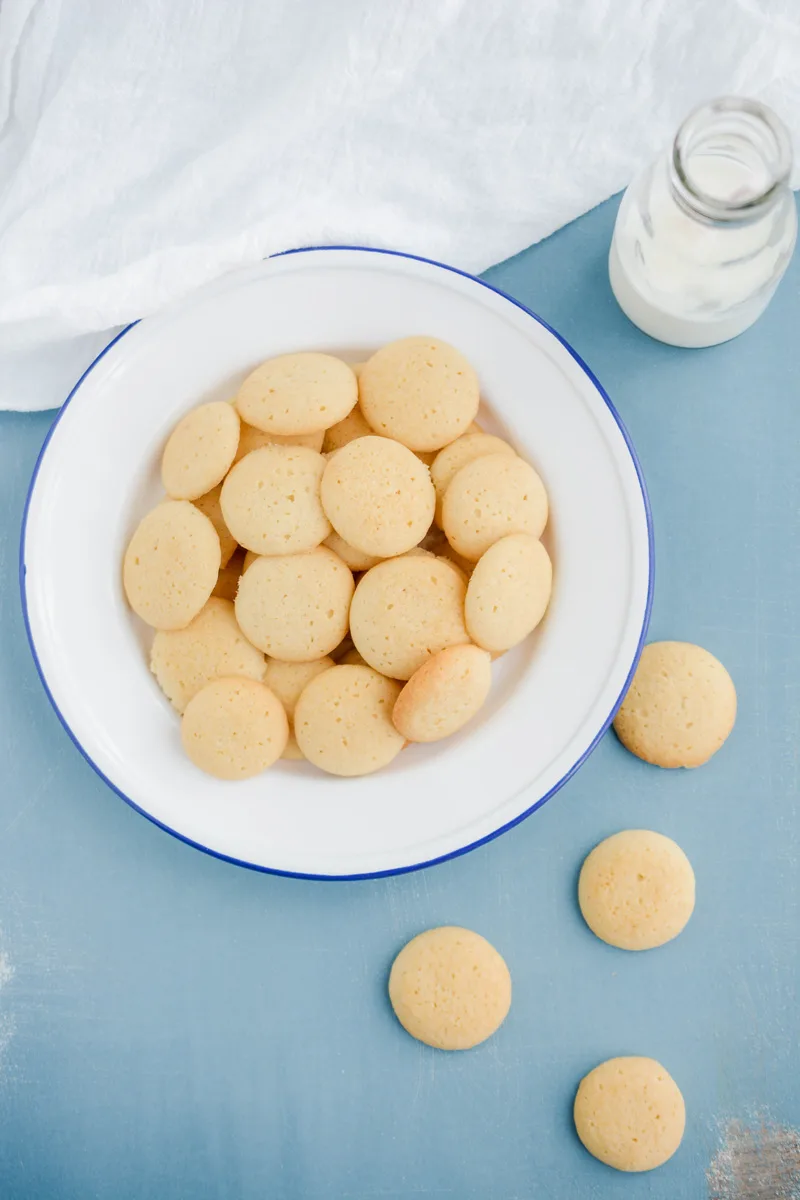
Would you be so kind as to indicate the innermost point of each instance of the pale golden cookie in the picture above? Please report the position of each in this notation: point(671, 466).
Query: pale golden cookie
point(489, 498)
point(171, 565)
point(449, 461)
point(450, 988)
point(356, 369)
point(298, 393)
point(210, 505)
point(271, 501)
point(295, 607)
point(445, 693)
point(212, 646)
point(287, 680)
point(228, 578)
point(680, 707)
point(356, 560)
point(508, 592)
point(630, 1114)
point(406, 609)
point(234, 728)
point(353, 426)
point(378, 496)
point(200, 450)
point(420, 391)
point(251, 438)
point(636, 890)
point(343, 721)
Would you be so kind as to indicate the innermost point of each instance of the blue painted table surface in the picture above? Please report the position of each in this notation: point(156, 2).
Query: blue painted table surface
point(178, 1027)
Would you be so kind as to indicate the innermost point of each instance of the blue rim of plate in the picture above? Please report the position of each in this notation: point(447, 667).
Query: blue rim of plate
point(431, 862)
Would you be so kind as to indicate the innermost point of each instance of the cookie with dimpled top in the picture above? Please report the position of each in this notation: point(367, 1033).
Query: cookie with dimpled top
point(489, 498)
point(419, 390)
point(343, 721)
point(680, 706)
point(443, 694)
point(636, 890)
point(200, 450)
point(295, 607)
point(271, 500)
point(378, 496)
point(629, 1113)
point(234, 728)
point(171, 565)
point(297, 393)
point(508, 592)
point(449, 461)
point(406, 609)
point(450, 988)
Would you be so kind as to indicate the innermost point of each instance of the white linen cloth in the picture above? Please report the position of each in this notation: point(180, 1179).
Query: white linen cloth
point(147, 146)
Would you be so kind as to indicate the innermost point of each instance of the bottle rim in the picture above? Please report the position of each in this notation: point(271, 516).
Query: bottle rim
point(773, 133)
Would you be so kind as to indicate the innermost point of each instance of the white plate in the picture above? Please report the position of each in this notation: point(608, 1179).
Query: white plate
point(553, 697)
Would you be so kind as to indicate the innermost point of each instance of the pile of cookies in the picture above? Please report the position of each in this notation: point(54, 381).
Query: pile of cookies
point(342, 552)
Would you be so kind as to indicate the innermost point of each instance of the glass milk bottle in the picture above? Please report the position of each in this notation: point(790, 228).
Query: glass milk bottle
point(704, 235)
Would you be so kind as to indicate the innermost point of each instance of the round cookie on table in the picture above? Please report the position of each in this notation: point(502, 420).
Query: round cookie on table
point(450, 988)
point(489, 498)
point(629, 1113)
point(171, 565)
point(200, 450)
point(406, 609)
point(343, 721)
point(378, 496)
point(508, 592)
point(636, 890)
point(234, 728)
point(419, 390)
point(443, 694)
point(211, 646)
point(295, 607)
point(287, 680)
point(680, 707)
point(297, 393)
point(271, 500)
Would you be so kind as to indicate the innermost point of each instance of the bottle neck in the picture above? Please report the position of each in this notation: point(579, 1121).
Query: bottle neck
point(730, 161)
